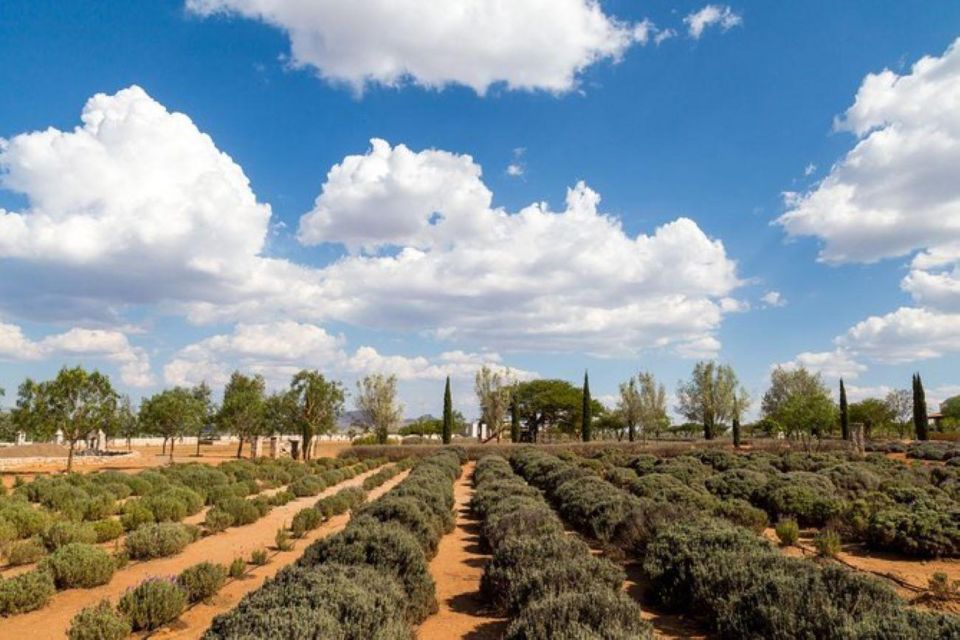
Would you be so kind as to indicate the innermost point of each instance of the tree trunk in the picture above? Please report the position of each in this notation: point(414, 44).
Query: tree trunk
point(240, 447)
point(129, 444)
point(632, 433)
point(73, 443)
point(198, 444)
point(163, 451)
point(172, 441)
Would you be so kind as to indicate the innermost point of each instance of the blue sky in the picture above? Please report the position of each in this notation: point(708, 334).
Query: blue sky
point(712, 126)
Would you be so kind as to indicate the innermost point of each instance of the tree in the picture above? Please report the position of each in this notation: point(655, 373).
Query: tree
point(736, 421)
point(549, 405)
point(708, 397)
point(377, 403)
point(872, 413)
point(314, 404)
point(514, 421)
point(630, 407)
point(950, 408)
point(586, 415)
point(171, 413)
point(919, 408)
point(653, 405)
point(900, 405)
point(204, 396)
point(493, 395)
point(423, 426)
point(76, 403)
point(243, 407)
point(799, 403)
point(844, 413)
point(447, 413)
point(127, 424)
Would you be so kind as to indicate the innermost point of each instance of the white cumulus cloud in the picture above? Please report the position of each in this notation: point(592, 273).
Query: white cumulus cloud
point(532, 279)
point(79, 344)
point(835, 364)
point(905, 335)
point(711, 15)
point(524, 44)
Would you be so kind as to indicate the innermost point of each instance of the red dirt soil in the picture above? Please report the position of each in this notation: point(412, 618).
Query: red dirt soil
point(457, 569)
point(53, 620)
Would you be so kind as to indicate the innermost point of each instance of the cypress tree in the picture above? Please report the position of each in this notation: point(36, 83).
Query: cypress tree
point(736, 423)
point(514, 422)
point(587, 417)
point(844, 413)
point(447, 413)
point(919, 408)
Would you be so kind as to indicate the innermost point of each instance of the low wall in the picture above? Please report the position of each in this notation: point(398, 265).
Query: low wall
point(10, 463)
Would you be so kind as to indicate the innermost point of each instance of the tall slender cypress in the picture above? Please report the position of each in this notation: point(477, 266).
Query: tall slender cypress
point(844, 413)
point(919, 408)
point(736, 422)
point(586, 428)
point(447, 413)
point(514, 422)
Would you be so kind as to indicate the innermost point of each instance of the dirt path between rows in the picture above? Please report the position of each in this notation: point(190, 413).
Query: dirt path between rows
point(666, 626)
point(457, 569)
point(53, 620)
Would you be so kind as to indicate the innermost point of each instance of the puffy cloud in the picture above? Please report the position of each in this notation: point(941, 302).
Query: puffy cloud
point(838, 363)
point(136, 205)
point(906, 335)
point(711, 15)
point(525, 44)
point(533, 279)
point(896, 191)
point(277, 350)
point(773, 299)
point(112, 346)
point(138, 208)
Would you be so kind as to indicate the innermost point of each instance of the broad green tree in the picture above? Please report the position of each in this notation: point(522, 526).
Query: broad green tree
point(653, 405)
point(126, 421)
point(708, 396)
point(204, 395)
point(243, 407)
point(76, 402)
point(315, 403)
point(799, 403)
point(872, 413)
point(950, 408)
point(447, 431)
point(172, 413)
point(493, 388)
point(378, 406)
point(546, 405)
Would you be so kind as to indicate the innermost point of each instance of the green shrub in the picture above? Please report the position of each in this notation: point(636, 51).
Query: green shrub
point(202, 581)
point(64, 532)
point(158, 540)
point(153, 603)
point(602, 614)
point(79, 565)
point(307, 486)
point(258, 557)
point(24, 552)
point(742, 513)
point(806, 496)
point(305, 520)
point(918, 530)
point(388, 547)
point(135, 514)
point(282, 540)
point(237, 568)
point(788, 531)
point(26, 592)
point(745, 484)
point(241, 510)
point(165, 507)
point(411, 514)
point(327, 601)
point(217, 520)
point(527, 569)
point(106, 530)
point(100, 622)
point(827, 542)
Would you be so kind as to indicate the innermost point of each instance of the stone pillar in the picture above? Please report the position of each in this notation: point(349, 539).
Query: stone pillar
point(58, 437)
point(255, 445)
point(21, 438)
point(274, 446)
point(857, 438)
point(295, 449)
